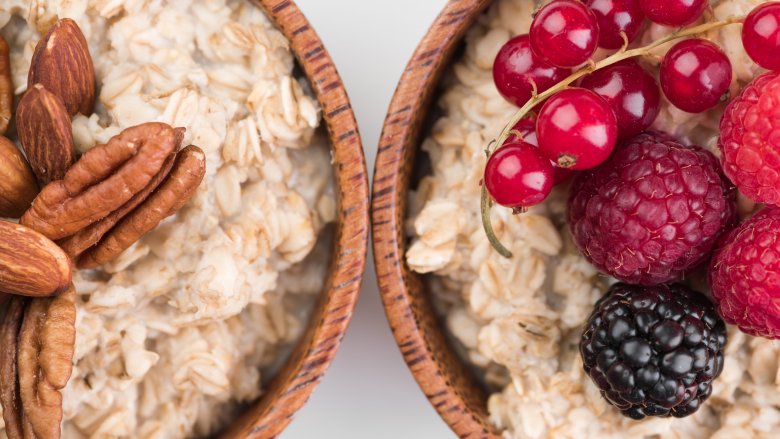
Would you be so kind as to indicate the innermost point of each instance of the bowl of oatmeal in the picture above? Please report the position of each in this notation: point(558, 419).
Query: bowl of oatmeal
point(222, 319)
point(495, 343)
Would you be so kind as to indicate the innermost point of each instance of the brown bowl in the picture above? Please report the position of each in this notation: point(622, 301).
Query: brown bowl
point(446, 381)
point(294, 383)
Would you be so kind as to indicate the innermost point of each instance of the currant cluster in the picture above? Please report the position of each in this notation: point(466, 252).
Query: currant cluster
point(646, 208)
point(591, 109)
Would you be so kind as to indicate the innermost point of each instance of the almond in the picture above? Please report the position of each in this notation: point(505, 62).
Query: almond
point(6, 86)
point(30, 264)
point(45, 132)
point(18, 187)
point(62, 63)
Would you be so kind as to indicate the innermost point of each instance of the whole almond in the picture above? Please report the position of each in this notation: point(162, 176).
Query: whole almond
point(18, 187)
point(45, 132)
point(62, 63)
point(6, 86)
point(30, 264)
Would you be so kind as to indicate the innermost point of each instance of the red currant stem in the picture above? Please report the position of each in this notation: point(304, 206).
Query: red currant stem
point(537, 98)
point(624, 47)
point(488, 226)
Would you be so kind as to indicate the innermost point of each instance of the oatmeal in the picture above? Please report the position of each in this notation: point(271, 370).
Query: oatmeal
point(179, 330)
point(520, 320)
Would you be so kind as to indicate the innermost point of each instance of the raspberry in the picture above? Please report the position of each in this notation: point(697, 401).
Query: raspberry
point(654, 351)
point(750, 139)
point(745, 275)
point(653, 211)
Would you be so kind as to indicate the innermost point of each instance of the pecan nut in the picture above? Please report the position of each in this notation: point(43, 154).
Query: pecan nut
point(46, 344)
point(62, 63)
point(31, 264)
point(82, 240)
point(45, 131)
point(172, 195)
point(18, 187)
point(9, 375)
point(103, 180)
point(6, 86)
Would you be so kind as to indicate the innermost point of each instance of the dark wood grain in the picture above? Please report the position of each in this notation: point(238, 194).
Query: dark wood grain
point(295, 382)
point(446, 382)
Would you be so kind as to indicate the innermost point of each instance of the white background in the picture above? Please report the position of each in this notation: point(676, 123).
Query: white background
point(368, 391)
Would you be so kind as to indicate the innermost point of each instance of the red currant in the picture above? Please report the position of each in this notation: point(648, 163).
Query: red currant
point(673, 12)
point(761, 35)
point(695, 75)
point(516, 67)
point(518, 176)
point(614, 17)
point(561, 175)
point(632, 93)
point(564, 33)
point(577, 129)
point(527, 129)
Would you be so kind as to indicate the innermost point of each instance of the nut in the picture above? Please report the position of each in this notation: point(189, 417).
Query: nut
point(61, 62)
point(9, 375)
point(172, 195)
point(18, 187)
point(46, 134)
point(78, 243)
point(103, 180)
point(30, 264)
point(6, 86)
point(47, 341)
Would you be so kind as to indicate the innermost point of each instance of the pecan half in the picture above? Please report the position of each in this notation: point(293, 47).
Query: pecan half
point(62, 63)
point(103, 180)
point(6, 86)
point(46, 134)
point(9, 376)
point(172, 195)
point(78, 243)
point(46, 345)
point(31, 264)
point(18, 187)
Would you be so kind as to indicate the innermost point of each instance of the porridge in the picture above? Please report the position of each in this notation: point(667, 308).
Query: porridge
point(520, 321)
point(179, 330)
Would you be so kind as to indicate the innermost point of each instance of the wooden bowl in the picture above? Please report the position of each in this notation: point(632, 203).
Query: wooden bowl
point(294, 383)
point(446, 381)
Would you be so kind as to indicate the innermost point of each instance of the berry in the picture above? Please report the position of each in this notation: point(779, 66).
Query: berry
point(577, 129)
point(561, 175)
point(652, 212)
point(518, 176)
point(632, 93)
point(527, 129)
point(750, 139)
point(564, 33)
point(673, 12)
point(516, 68)
point(614, 17)
point(654, 351)
point(695, 75)
point(761, 35)
point(745, 275)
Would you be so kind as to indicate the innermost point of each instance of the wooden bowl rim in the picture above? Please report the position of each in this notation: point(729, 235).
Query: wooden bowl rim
point(443, 378)
point(294, 383)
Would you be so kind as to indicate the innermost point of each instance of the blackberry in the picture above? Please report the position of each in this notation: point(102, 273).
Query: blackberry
point(654, 351)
